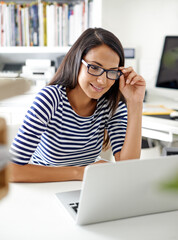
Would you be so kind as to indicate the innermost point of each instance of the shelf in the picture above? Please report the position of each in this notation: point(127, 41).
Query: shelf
point(25, 50)
point(20, 54)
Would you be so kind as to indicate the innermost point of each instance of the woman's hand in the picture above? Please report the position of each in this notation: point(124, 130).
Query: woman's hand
point(132, 85)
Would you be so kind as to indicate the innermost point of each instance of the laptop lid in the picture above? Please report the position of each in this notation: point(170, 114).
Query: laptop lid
point(128, 188)
point(125, 189)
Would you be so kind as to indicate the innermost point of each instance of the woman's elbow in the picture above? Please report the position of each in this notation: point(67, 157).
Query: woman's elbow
point(14, 172)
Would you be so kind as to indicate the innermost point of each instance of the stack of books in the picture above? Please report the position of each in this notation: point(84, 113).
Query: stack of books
point(42, 23)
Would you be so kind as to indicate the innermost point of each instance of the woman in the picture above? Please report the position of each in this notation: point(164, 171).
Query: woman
point(91, 102)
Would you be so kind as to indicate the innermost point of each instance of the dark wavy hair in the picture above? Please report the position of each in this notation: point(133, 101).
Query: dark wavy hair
point(67, 73)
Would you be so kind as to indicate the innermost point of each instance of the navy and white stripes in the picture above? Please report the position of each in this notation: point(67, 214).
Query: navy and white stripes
point(53, 134)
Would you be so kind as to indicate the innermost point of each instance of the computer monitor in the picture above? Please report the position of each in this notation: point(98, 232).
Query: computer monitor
point(167, 79)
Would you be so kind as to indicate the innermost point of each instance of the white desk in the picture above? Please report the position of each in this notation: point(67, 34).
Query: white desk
point(31, 212)
point(160, 128)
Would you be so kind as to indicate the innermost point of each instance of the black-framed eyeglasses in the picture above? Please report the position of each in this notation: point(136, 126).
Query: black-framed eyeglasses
point(98, 71)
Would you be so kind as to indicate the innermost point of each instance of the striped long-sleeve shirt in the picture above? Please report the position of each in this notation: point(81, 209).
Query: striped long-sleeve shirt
point(53, 134)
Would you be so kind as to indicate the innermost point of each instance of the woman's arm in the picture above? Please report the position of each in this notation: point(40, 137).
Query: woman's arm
point(132, 87)
point(132, 144)
point(36, 173)
point(35, 123)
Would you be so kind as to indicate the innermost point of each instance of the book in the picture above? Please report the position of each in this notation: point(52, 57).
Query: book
point(34, 24)
point(65, 24)
point(156, 110)
point(59, 23)
point(3, 26)
point(26, 19)
point(19, 25)
point(12, 20)
point(44, 24)
point(50, 20)
point(41, 23)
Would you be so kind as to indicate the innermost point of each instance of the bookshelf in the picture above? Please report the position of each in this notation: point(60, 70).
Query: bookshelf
point(16, 53)
point(26, 50)
point(20, 54)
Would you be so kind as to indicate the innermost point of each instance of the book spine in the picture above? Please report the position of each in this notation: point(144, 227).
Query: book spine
point(23, 25)
point(34, 25)
point(60, 25)
point(12, 6)
point(35, 22)
point(48, 29)
point(65, 27)
point(3, 30)
point(0, 22)
point(7, 27)
point(55, 25)
point(71, 24)
point(44, 25)
point(16, 27)
point(19, 24)
point(77, 21)
point(27, 37)
point(41, 24)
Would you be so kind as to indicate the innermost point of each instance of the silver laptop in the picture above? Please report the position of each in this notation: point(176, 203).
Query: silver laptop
point(124, 189)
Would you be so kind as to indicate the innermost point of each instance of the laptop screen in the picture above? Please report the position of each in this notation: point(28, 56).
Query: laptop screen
point(168, 70)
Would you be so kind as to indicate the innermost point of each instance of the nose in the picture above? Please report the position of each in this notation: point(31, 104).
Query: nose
point(102, 79)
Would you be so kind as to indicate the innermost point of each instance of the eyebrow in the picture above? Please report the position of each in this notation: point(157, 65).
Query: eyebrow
point(115, 68)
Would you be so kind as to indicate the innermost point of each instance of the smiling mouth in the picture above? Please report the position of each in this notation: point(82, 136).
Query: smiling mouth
point(98, 89)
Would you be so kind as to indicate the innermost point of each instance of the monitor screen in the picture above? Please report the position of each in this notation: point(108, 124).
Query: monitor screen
point(168, 70)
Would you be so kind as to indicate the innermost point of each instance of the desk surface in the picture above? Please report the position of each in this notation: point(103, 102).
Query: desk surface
point(160, 128)
point(31, 211)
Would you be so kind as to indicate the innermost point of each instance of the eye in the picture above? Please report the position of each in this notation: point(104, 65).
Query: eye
point(94, 67)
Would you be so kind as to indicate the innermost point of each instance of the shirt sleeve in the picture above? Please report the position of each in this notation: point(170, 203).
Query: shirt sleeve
point(34, 124)
point(116, 127)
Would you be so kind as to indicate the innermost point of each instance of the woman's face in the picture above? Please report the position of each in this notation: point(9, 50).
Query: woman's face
point(95, 86)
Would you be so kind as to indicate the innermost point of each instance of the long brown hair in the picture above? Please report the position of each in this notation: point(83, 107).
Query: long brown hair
point(67, 73)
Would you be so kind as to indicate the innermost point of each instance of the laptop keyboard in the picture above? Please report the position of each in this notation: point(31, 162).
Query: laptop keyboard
point(74, 206)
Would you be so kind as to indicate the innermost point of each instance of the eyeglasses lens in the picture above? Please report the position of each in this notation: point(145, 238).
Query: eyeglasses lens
point(97, 71)
point(113, 75)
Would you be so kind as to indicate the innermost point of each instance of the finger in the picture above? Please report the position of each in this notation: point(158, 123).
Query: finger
point(138, 80)
point(122, 82)
point(130, 77)
point(126, 70)
point(120, 68)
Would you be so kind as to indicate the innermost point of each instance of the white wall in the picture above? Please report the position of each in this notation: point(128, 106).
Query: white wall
point(142, 24)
